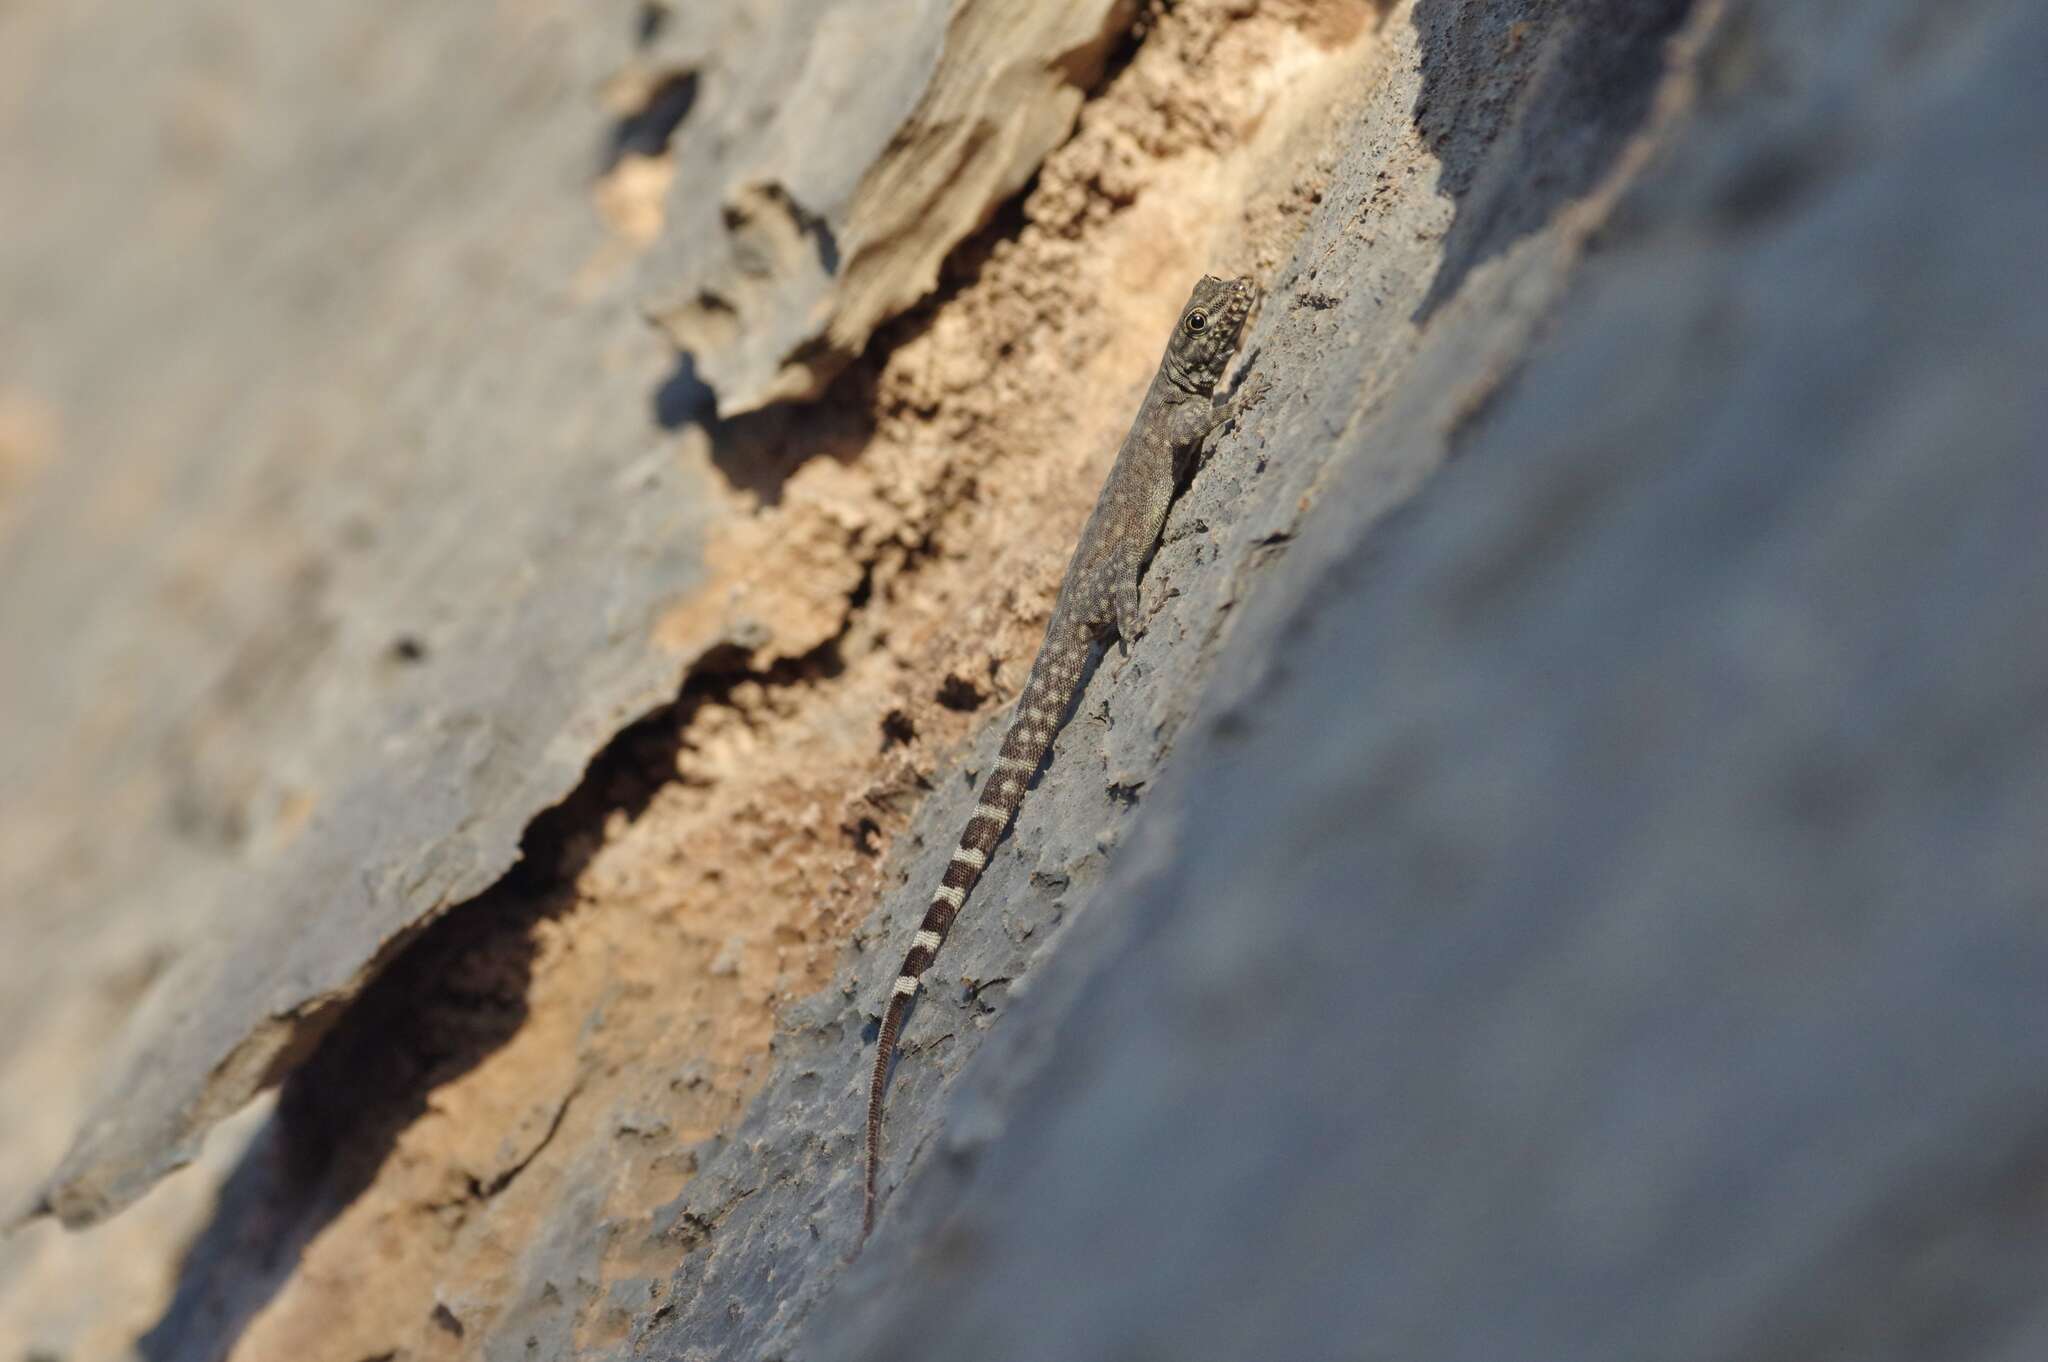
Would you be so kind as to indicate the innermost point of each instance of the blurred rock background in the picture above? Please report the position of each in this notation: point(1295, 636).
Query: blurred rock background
point(519, 524)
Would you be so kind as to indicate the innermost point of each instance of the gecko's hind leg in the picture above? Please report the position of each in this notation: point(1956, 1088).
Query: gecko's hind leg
point(1130, 618)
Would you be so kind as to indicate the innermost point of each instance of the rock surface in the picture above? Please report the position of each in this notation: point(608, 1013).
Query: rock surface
point(1605, 893)
point(1607, 923)
point(368, 697)
point(543, 633)
point(907, 124)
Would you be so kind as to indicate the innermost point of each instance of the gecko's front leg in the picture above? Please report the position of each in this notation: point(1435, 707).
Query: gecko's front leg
point(1249, 394)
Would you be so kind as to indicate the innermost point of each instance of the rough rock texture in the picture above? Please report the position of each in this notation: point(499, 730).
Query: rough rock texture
point(239, 611)
point(843, 586)
point(484, 669)
point(862, 175)
point(1607, 922)
point(1593, 912)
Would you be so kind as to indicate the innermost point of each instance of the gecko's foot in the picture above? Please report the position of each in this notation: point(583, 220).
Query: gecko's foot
point(1253, 392)
point(1130, 619)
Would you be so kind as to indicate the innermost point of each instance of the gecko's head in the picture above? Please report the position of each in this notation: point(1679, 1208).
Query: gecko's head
point(1206, 336)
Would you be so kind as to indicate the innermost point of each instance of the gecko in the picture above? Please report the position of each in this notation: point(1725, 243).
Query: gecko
point(1098, 595)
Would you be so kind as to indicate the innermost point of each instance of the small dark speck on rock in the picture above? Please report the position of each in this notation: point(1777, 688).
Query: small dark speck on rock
point(959, 694)
point(445, 1319)
point(897, 729)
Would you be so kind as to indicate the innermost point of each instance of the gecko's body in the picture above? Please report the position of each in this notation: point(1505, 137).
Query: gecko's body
point(1098, 594)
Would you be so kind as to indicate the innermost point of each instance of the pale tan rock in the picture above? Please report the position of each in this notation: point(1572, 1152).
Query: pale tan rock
point(858, 199)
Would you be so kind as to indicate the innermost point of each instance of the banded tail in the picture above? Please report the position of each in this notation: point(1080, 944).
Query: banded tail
point(1055, 676)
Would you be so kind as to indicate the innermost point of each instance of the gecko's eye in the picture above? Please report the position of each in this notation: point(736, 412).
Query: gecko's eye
point(1197, 320)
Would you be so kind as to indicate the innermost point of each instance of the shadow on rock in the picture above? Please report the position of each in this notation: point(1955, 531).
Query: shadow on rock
point(756, 452)
point(1527, 106)
point(452, 997)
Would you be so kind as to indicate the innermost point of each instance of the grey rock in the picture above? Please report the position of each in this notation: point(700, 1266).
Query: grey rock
point(893, 131)
point(463, 670)
point(1577, 898)
point(1594, 913)
point(397, 577)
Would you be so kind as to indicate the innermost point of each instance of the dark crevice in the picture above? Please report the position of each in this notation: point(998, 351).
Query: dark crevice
point(1130, 28)
point(866, 835)
point(648, 129)
point(758, 451)
point(506, 1177)
point(897, 730)
point(684, 399)
point(960, 695)
point(438, 1003)
point(806, 221)
point(692, 1229)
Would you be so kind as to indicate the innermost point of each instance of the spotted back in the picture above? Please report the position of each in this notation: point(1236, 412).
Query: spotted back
point(1100, 589)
